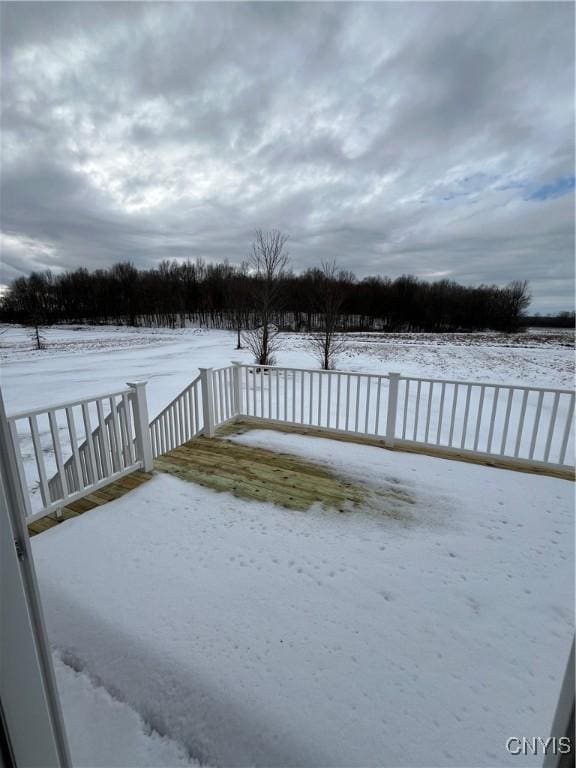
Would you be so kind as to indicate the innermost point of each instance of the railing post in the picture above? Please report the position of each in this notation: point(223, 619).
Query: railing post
point(207, 400)
point(393, 379)
point(17, 468)
point(237, 385)
point(141, 424)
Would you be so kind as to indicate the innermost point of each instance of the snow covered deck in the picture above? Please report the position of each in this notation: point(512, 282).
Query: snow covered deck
point(425, 630)
point(224, 465)
point(260, 474)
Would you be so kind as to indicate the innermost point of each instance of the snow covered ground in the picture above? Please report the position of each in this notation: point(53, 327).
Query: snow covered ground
point(80, 361)
point(244, 634)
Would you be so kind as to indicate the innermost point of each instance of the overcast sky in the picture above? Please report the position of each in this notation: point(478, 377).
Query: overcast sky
point(432, 139)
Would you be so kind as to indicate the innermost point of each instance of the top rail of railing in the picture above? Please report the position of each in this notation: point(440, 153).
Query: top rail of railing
point(67, 404)
point(372, 374)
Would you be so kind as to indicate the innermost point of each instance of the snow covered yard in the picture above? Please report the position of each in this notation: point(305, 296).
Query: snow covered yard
point(245, 634)
point(81, 361)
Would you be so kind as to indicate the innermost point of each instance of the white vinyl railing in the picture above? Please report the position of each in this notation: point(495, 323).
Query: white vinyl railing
point(533, 426)
point(62, 456)
point(66, 451)
point(518, 424)
point(180, 421)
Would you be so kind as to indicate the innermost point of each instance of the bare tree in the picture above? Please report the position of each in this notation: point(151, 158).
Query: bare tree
point(516, 299)
point(36, 335)
point(267, 262)
point(330, 293)
point(238, 299)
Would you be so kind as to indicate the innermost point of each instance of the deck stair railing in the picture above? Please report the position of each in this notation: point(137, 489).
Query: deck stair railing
point(63, 439)
point(180, 421)
point(96, 442)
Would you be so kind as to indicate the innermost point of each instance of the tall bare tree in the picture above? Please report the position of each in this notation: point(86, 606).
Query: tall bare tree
point(516, 300)
point(267, 263)
point(329, 295)
point(239, 300)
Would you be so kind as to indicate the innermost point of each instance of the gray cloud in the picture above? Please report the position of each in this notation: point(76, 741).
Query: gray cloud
point(394, 137)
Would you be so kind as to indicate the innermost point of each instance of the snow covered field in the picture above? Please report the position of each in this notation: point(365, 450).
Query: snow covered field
point(81, 360)
point(245, 634)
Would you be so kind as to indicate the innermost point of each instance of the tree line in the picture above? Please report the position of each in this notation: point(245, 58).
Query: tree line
point(226, 296)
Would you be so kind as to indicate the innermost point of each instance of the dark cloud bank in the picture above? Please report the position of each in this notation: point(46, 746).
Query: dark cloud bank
point(431, 139)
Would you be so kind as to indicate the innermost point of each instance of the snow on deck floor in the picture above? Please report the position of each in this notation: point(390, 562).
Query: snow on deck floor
point(253, 635)
point(103, 731)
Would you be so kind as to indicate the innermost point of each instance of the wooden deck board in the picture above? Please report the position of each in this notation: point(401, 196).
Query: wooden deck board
point(256, 473)
point(113, 491)
point(246, 424)
point(259, 474)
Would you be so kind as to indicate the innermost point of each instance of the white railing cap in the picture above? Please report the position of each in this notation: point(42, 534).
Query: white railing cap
point(62, 406)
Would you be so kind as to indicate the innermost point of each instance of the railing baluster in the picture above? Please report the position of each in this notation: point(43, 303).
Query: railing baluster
point(228, 388)
point(536, 425)
point(171, 428)
point(320, 379)
point(39, 454)
point(122, 437)
point(181, 424)
point(192, 412)
point(221, 397)
point(278, 395)
point(102, 437)
point(357, 378)
point(197, 412)
point(418, 389)
point(94, 477)
point(176, 420)
point(405, 417)
point(453, 417)
point(368, 384)
point(466, 411)
point(261, 377)
point(479, 417)
point(163, 442)
point(567, 430)
point(58, 452)
point(377, 416)
point(270, 387)
point(311, 397)
point(348, 377)
point(429, 410)
point(187, 416)
point(117, 455)
point(521, 420)
point(74, 446)
point(338, 401)
point(493, 418)
point(506, 421)
point(552, 426)
point(158, 430)
point(293, 396)
point(441, 412)
point(127, 413)
point(301, 397)
point(329, 404)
